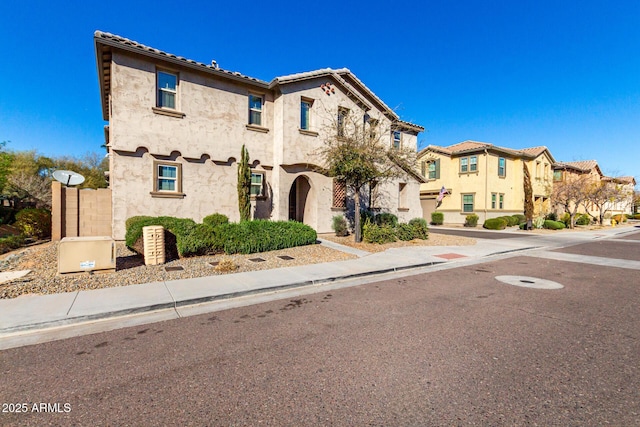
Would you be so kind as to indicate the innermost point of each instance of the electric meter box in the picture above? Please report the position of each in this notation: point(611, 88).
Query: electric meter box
point(79, 254)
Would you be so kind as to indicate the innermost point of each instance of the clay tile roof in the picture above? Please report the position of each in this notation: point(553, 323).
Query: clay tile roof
point(583, 165)
point(132, 45)
point(534, 151)
point(468, 145)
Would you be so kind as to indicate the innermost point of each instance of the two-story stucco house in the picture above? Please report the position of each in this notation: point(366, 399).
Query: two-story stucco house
point(176, 128)
point(483, 179)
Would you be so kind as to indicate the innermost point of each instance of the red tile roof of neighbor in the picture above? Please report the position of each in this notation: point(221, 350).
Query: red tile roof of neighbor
point(474, 146)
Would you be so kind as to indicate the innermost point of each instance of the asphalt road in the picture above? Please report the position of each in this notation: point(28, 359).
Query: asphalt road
point(453, 347)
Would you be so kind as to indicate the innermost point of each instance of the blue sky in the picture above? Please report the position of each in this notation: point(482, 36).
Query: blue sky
point(565, 74)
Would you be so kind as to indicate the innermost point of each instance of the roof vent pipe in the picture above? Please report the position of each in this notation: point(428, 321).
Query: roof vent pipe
point(214, 64)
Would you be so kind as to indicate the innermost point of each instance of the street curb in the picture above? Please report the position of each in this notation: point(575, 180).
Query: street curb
point(194, 301)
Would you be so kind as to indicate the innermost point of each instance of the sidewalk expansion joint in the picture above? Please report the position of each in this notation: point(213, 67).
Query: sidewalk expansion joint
point(72, 302)
point(175, 307)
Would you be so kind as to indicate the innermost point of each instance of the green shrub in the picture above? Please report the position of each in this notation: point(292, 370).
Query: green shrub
point(365, 215)
point(263, 235)
point(420, 228)
point(471, 220)
point(553, 225)
point(134, 219)
point(636, 216)
point(437, 218)
point(521, 218)
point(175, 229)
point(10, 243)
point(495, 224)
point(200, 239)
point(339, 225)
point(215, 219)
point(34, 223)
point(386, 219)
point(566, 218)
point(552, 216)
point(374, 233)
point(583, 219)
point(404, 232)
point(510, 220)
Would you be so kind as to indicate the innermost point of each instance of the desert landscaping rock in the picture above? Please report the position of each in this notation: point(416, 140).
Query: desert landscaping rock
point(42, 260)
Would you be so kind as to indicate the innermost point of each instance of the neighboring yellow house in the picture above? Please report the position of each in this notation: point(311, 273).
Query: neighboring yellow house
point(483, 179)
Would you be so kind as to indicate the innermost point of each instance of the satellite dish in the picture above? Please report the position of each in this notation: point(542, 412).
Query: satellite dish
point(68, 177)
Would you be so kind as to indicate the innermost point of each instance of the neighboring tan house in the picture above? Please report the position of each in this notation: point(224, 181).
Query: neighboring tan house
point(176, 128)
point(484, 179)
point(627, 187)
point(583, 169)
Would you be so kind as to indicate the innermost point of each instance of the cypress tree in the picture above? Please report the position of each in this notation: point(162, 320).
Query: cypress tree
point(244, 186)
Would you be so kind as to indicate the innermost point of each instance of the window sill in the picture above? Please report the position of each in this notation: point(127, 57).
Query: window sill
point(468, 173)
point(258, 197)
point(338, 209)
point(308, 132)
point(403, 209)
point(166, 112)
point(167, 195)
point(257, 128)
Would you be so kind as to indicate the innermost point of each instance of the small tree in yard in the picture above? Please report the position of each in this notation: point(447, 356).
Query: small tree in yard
point(244, 186)
point(570, 194)
point(602, 195)
point(358, 153)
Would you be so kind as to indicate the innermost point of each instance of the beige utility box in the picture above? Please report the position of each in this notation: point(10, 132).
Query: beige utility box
point(153, 237)
point(78, 254)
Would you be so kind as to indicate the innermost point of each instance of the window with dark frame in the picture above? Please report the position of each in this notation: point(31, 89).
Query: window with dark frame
point(464, 164)
point(257, 184)
point(397, 139)
point(502, 167)
point(305, 112)
point(493, 200)
point(255, 110)
point(167, 90)
point(473, 164)
point(167, 178)
point(467, 203)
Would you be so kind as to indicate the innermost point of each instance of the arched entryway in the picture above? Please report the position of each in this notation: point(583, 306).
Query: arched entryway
point(298, 195)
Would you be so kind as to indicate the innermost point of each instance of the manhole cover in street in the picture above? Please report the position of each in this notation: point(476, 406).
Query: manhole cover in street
point(529, 282)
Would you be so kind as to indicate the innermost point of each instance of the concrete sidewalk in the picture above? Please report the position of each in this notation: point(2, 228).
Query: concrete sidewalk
point(37, 312)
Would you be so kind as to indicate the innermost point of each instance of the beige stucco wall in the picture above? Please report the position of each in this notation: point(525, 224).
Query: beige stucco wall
point(206, 140)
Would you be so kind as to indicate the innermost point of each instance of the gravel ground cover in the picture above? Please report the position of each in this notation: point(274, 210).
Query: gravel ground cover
point(42, 260)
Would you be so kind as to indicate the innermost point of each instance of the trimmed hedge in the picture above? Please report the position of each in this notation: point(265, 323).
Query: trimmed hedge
point(183, 237)
point(437, 218)
point(175, 229)
point(553, 225)
point(495, 224)
point(471, 220)
point(260, 235)
point(34, 223)
point(636, 216)
point(374, 233)
point(583, 219)
point(215, 219)
point(520, 218)
point(404, 232)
